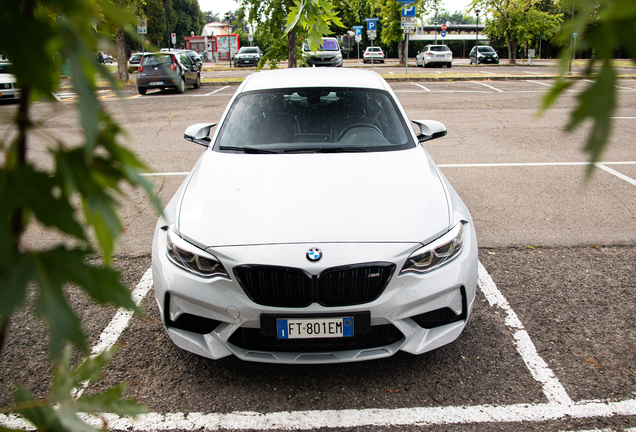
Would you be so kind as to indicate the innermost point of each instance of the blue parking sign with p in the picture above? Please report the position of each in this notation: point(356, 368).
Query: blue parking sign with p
point(370, 25)
point(408, 11)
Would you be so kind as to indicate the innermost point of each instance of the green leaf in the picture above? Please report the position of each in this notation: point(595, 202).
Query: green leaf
point(60, 266)
point(597, 103)
point(43, 417)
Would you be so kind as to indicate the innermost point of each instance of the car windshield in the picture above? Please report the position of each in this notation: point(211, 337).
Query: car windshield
point(486, 49)
point(439, 48)
point(326, 45)
point(247, 50)
point(313, 120)
point(157, 59)
point(374, 49)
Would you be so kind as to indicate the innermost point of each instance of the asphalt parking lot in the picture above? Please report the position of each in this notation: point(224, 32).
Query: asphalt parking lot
point(551, 344)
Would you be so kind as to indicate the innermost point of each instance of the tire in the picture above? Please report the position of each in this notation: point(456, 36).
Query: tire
point(449, 65)
point(181, 86)
point(197, 83)
point(142, 90)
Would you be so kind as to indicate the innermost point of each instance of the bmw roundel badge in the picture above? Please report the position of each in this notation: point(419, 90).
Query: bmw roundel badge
point(314, 254)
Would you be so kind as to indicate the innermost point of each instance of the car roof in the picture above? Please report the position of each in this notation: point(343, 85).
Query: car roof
point(313, 77)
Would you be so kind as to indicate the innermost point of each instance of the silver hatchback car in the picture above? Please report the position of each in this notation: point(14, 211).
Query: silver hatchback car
point(315, 228)
point(434, 55)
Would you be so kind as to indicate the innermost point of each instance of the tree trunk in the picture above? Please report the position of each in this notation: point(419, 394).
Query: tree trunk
point(401, 54)
point(512, 48)
point(122, 56)
point(291, 49)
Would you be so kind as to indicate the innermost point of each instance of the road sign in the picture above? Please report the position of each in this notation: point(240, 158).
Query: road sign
point(408, 26)
point(574, 35)
point(142, 27)
point(358, 30)
point(408, 11)
point(443, 33)
point(358, 38)
point(372, 23)
point(173, 36)
point(443, 27)
point(250, 37)
point(372, 34)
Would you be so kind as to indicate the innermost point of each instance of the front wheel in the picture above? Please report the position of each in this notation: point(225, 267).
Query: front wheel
point(197, 83)
point(181, 86)
point(449, 65)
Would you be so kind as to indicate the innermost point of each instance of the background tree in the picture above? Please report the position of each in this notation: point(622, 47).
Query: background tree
point(517, 21)
point(211, 16)
point(391, 18)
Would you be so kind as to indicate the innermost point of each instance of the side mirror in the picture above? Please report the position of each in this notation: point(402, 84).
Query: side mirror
point(429, 129)
point(199, 133)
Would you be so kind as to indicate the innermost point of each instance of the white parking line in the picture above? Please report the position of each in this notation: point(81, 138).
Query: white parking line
point(560, 406)
point(486, 72)
point(215, 91)
point(600, 165)
point(118, 324)
point(617, 174)
point(421, 86)
point(552, 388)
point(489, 86)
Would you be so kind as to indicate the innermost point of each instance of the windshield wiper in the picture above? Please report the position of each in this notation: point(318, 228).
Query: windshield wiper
point(328, 150)
point(342, 149)
point(252, 150)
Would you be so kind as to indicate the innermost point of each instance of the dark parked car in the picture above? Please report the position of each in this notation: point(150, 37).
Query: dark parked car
point(167, 69)
point(194, 56)
point(248, 56)
point(133, 62)
point(485, 54)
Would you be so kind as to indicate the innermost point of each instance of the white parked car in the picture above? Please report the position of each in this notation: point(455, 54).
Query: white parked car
point(8, 87)
point(315, 228)
point(436, 55)
point(373, 54)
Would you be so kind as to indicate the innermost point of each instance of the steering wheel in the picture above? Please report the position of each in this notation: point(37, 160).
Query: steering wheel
point(358, 125)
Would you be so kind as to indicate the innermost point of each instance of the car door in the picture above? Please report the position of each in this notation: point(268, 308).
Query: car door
point(190, 69)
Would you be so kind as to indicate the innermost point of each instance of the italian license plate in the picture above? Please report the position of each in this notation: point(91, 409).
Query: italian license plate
point(246, 61)
point(441, 56)
point(157, 83)
point(305, 328)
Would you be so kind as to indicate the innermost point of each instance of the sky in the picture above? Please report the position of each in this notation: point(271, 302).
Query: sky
point(222, 6)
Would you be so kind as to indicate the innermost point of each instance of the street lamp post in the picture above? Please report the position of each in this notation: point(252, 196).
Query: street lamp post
point(229, 42)
point(435, 22)
point(477, 38)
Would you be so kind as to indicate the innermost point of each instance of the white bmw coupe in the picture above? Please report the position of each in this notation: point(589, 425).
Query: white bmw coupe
point(315, 228)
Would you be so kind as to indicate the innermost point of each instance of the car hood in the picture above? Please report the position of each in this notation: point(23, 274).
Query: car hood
point(249, 199)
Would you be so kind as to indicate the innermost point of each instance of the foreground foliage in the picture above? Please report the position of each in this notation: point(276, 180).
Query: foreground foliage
point(60, 33)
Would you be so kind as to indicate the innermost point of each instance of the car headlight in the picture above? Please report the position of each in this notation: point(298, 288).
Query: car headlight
point(437, 253)
point(190, 258)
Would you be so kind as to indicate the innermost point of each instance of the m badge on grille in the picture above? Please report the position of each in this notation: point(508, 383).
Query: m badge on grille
point(314, 254)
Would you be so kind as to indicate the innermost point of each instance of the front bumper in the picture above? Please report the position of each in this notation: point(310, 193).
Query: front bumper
point(238, 62)
point(488, 60)
point(11, 93)
point(215, 318)
point(325, 61)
